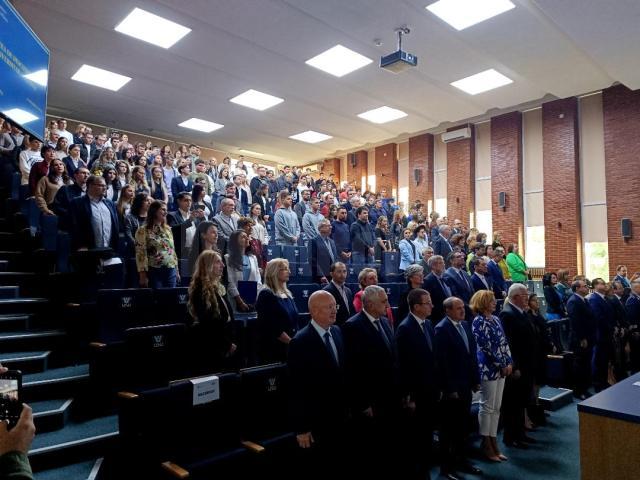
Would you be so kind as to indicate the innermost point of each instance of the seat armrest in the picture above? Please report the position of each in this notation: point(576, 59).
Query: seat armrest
point(127, 395)
point(175, 470)
point(252, 446)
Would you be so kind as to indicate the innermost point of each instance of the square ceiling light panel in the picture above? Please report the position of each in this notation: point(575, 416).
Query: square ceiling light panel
point(311, 137)
point(482, 82)
point(251, 152)
point(200, 125)
point(382, 115)
point(40, 77)
point(339, 61)
point(151, 28)
point(20, 116)
point(461, 14)
point(256, 100)
point(100, 78)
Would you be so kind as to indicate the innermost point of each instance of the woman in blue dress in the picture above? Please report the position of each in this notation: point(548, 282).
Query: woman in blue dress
point(495, 363)
point(277, 313)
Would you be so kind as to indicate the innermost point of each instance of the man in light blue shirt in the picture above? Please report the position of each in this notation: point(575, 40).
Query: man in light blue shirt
point(286, 221)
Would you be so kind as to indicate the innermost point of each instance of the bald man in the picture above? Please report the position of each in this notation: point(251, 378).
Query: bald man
point(318, 386)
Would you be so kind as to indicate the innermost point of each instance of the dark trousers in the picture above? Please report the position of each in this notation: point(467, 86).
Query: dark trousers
point(634, 345)
point(516, 398)
point(454, 415)
point(375, 444)
point(330, 456)
point(417, 440)
point(602, 353)
point(582, 369)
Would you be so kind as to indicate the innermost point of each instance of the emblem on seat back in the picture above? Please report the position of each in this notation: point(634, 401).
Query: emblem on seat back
point(273, 384)
point(182, 298)
point(158, 341)
point(126, 302)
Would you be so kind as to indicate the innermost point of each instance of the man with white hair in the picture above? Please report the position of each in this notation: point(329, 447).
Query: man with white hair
point(441, 245)
point(318, 384)
point(371, 374)
point(521, 336)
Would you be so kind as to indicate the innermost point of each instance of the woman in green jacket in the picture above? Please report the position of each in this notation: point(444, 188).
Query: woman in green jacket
point(517, 267)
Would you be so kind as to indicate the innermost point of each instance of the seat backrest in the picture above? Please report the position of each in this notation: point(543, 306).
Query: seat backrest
point(301, 293)
point(163, 424)
point(155, 354)
point(263, 401)
point(393, 291)
point(119, 309)
point(171, 304)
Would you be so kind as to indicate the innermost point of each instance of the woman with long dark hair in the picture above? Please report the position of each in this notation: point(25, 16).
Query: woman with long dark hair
point(555, 303)
point(156, 257)
point(136, 217)
point(48, 186)
point(199, 203)
point(113, 186)
point(242, 264)
point(206, 238)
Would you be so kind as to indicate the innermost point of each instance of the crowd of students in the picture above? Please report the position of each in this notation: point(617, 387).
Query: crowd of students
point(180, 215)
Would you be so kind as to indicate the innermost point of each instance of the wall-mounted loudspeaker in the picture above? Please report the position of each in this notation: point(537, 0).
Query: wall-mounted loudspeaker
point(417, 175)
point(625, 226)
point(353, 161)
point(502, 200)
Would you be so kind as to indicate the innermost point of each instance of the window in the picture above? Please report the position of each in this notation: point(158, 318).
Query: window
point(596, 260)
point(534, 242)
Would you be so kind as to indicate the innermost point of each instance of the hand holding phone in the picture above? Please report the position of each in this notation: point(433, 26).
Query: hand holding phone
point(19, 438)
point(10, 396)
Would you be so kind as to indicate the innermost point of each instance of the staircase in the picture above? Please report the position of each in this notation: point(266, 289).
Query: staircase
point(38, 338)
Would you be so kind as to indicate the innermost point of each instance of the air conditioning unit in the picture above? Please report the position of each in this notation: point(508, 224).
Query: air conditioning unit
point(455, 135)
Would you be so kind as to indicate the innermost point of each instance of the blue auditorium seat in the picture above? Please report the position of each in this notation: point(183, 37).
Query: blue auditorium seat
point(295, 253)
point(301, 293)
point(120, 309)
point(393, 291)
point(301, 272)
point(171, 304)
point(272, 251)
point(390, 263)
point(49, 232)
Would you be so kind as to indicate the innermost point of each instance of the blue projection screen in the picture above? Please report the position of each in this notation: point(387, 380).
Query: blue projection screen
point(24, 72)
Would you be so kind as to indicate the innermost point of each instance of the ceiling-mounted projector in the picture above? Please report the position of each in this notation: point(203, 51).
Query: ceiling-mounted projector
point(399, 61)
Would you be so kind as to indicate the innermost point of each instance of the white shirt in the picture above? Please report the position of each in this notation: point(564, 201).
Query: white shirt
point(190, 232)
point(27, 159)
point(66, 134)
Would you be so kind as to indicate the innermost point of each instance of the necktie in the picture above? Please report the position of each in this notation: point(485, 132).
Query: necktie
point(332, 352)
point(464, 280)
point(328, 245)
point(463, 335)
point(445, 287)
point(382, 334)
point(426, 334)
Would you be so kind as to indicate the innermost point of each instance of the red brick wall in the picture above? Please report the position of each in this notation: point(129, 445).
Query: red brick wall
point(506, 176)
point(355, 174)
point(461, 185)
point(621, 109)
point(561, 178)
point(386, 168)
point(332, 165)
point(421, 158)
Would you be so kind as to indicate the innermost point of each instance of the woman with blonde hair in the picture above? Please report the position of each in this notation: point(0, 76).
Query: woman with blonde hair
point(495, 364)
point(211, 313)
point(123, 171)
point(157, 187)
point(62, 148)
point(383, 237)
point(277, 312)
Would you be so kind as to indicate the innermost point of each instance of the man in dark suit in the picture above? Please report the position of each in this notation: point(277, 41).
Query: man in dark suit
point(181, 183)
point(316, 361)
point(441, 245)
point(455, 353)
point(341, 293)
point(459, 281)
point(616, 298)
point(94, 220)
point(418, 383)
point(480, 280)
point(87, 148)
point(582, 336)
point(518, 390)
point(495, 272)
point(371, 373)
point(65, 195)
point(633, 319)
point(323, 252)
point(437, 287)
point(606, 323)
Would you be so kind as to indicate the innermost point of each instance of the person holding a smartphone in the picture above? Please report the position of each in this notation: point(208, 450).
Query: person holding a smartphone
point(15, 442)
